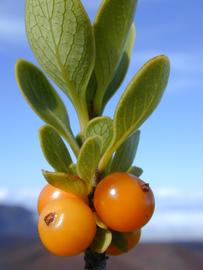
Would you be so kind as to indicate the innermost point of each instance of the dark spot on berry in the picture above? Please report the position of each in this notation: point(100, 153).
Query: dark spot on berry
point(145, 187)
point(49, 218)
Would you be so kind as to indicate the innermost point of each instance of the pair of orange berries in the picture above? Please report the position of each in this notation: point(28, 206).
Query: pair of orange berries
point(67, 225)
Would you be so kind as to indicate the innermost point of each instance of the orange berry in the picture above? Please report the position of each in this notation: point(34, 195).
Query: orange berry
point(124, 202)
point(50, 193)
point(66, 226)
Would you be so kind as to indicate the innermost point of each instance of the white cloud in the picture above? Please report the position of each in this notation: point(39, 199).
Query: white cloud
point(20, 196)
point(3, 194)
point(175, 225)
point(178, 215)
point(186, 69)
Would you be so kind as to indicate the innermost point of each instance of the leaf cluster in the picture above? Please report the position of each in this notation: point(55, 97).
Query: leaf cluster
point(88, 62)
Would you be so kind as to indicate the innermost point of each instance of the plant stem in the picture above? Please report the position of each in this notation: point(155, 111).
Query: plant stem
point(83, 116)
point(95, 261)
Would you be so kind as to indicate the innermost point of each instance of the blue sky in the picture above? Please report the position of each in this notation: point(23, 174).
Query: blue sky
point(171, 147)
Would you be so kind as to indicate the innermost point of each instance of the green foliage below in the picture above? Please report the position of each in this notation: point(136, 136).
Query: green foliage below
point(54, 149)
point(111, 28)
point(119, 241)
point(137, 171)
point(102, 240)
point(67, 182)
point(125, 154)
point(137, 103)
point(103, 127)
point(44, 100)
point(88, 159)
point(61, 37)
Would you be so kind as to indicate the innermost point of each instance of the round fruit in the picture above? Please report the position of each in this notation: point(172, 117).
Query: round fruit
point(123, 202)
point(66, 226)
point(50, 193)
point(131, 239)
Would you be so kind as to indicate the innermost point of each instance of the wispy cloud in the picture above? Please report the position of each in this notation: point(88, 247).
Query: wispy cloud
point(186, 68)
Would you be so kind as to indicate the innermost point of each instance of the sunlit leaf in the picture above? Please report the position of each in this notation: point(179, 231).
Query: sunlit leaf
point(122, 67)
point(111, 28)
point(102, 240)
point(88, 159)
point(44, 100)
point(54, 149)
point(61, 37)
point(103, 127)
point(137, 103)
point(137, 171)
point(67, 182)
point(99, 222)
point(125, 154)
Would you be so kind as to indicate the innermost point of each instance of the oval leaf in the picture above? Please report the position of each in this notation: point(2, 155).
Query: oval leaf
point(102, 240)
point(73, 169)
point(122, 67)
point(90, 93)
point(119, 241)
point(67, 182)
point(61, 37)
point(99, 222)
point(103, 127)
point(111, 28)
point(125, 154)
point(44, 100)
point(54, 149)
point(137, 171)
point(88, 159)
point(138, 101)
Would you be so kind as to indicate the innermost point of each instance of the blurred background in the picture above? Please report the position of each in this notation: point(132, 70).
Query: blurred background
point(170, 150)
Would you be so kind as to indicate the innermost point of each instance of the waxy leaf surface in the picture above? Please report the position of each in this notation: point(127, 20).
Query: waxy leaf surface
point(44, 100)
point(125, 154)
point(67, 182)
point(111, 28)
point(102, 240)
point(61, 37)
point(103, 127)
point(54, 149)
point(122, 67)
point(88, 159)
point(137, 103)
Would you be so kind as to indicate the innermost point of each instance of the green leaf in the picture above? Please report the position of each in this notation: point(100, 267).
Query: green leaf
point(122, 67)
point(88, 159)
point(54, 149)
point(61, 37)
point(99, 222)
point(73, 169)
point(111, 28)
point(119, 241)
point(67, 182)
point(137, 103)
point(125, 154)
point(137, 171)
point(103, 127)
point(90, 93)
point(44, 100)
point(102, 240)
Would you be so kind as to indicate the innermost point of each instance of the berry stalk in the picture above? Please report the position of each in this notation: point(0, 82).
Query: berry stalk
point(95, 261)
